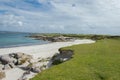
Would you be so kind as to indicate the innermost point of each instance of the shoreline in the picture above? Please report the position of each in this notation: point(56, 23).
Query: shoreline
point(45, 48)
point(38, 51)
point(24, 45)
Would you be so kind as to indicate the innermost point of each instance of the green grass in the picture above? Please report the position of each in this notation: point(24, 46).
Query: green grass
point(98, 61)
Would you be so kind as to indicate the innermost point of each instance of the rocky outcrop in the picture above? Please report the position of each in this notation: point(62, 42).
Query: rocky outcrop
point(52, 39)
point(12, 60)
point(22, 58)
point(59, 39)
point(64, 55)
point(34, 67)
point(9, 61)
point(29, 65)
point(37, 66)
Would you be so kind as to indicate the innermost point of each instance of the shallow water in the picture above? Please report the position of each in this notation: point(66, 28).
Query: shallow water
point(14, 39)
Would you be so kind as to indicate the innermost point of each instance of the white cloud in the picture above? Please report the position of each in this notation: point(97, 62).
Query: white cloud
point(11, 20)
point(86, 16)
point(20, 23)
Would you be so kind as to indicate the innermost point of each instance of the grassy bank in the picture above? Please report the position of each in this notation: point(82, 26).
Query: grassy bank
point(98, 61)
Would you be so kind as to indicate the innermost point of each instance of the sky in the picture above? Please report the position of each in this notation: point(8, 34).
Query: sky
point(61, 16)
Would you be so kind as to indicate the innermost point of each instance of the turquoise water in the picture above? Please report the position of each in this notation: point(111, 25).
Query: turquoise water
point(13, 39)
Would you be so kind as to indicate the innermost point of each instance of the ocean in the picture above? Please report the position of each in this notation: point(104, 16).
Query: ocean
point(14, 39)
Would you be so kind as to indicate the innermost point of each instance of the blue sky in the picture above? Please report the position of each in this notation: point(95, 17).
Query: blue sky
point(62, 16)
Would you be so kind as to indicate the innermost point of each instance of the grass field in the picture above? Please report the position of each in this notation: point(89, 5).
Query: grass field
point(98, 61)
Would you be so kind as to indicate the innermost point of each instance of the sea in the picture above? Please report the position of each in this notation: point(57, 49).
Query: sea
point(16, 39)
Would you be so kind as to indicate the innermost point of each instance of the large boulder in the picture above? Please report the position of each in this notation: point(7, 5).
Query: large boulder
point(6, 62)
point(13, 59)
point(5, 59)
point(34, 67)
point(64, 55)
point(21, 58)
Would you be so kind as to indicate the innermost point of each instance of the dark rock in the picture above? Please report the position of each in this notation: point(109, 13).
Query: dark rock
point(5, 59)
point(64, 55)
point(12, 65)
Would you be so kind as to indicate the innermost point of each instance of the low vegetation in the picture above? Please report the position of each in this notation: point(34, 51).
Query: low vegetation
point(98, 61)
point(81, 36)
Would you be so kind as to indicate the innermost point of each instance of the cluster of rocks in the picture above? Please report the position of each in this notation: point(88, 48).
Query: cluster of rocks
point(52, 39)
point(22, 61)
point(37, 66)
point(27, 63)
point(12, 60)
point(9, 61)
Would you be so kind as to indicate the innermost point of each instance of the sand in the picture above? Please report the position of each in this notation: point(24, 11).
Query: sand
point(37, 51)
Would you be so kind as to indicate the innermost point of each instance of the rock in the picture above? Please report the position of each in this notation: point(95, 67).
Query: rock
point(12, 65)
point(18, 55)
point(2, 75)
point(36, 69)
point(6, 67)
point(1, 67)
point(5, 59)
point(64, 55)
point(21, 58)
point(7, 62)
point(12, 60)
point(58, 38)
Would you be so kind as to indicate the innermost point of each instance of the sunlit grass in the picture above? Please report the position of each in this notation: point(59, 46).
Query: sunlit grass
point(98, 61)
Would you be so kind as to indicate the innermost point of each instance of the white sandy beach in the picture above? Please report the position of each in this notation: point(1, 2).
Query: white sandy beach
point(43, 51)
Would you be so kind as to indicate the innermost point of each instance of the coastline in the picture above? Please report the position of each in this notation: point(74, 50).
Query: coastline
point(43, 48)
point(24, 45)
point(38, 51)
